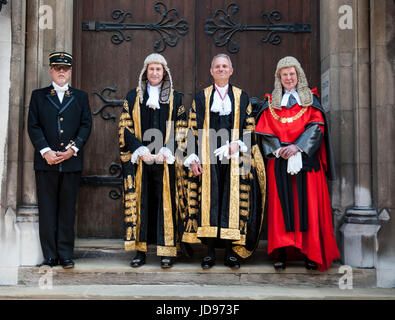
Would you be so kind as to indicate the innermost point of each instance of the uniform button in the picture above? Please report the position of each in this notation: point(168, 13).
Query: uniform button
point(62, 144)
point(61, 119)
point(61, 131)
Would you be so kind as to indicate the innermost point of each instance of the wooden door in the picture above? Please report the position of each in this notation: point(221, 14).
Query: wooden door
point(254, 61)
point(107, 64)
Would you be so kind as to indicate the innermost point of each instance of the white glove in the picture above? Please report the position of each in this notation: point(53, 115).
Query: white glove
point(295, 163)
point(222, 151)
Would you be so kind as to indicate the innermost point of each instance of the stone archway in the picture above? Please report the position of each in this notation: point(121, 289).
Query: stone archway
point(361, 78)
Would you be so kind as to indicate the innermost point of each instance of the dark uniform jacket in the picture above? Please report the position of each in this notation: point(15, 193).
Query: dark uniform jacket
point(53, 124)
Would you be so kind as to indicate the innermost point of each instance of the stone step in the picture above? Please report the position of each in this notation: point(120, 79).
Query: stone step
point(190, 292)
point(104, 262)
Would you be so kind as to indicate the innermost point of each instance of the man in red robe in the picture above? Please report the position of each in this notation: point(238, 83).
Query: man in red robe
point(294, 137)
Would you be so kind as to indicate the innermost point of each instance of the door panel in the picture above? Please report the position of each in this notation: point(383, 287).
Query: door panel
point(100, 63)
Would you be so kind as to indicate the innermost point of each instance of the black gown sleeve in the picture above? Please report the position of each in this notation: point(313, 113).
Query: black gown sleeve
point(128, 140)
point(310, 140)
point(35, 131)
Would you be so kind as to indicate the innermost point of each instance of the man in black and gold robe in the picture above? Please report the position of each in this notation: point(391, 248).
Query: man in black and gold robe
point(147, 156)
point(223, 189)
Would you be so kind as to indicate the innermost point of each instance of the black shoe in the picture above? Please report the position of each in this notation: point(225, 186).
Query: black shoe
point(309, 264)
point(280, 263)
point(138, 260)
point(52, 262)
point(232, 262)
point(166, 262)
point(67, 264)
point(208, 262)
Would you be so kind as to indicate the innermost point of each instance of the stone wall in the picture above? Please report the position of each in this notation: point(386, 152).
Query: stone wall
point(5, 84)
point(32, 38)
point(8, 259)
point(357, 64)
point(357, 56)
point(383, 131)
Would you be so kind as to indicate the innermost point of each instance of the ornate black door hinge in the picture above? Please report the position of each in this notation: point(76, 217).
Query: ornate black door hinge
point(223, 23)
point(107, 103)
point(167, 27)
point(1, 3)
point(115, 180)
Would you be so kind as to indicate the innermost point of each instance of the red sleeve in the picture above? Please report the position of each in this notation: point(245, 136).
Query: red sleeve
point(263, 125)
point(317, 117)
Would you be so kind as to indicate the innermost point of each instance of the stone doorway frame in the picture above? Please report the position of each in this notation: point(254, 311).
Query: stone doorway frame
point(360, 70)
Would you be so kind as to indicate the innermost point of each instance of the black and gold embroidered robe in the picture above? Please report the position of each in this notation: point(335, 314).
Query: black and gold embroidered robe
point(133, 122)
point(226, 205)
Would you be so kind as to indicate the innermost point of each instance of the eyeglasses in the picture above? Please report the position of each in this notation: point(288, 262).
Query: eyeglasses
point(60, 67)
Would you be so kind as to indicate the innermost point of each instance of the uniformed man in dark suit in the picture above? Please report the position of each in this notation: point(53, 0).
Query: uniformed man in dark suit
point(59, 125)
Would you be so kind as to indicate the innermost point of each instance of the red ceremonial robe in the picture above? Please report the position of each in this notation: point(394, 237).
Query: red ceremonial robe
point(317, 242)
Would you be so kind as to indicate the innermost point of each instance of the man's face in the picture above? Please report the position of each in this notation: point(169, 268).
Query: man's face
point(60, 74)
point(221, 70)
point(155, 73)
point(289, 78)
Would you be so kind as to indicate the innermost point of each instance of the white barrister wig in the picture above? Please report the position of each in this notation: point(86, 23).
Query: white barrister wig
point(302, 87)
point(167, 82)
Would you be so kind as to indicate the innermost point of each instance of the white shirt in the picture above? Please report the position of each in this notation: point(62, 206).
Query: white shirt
point(286, 96)
point(60, 90)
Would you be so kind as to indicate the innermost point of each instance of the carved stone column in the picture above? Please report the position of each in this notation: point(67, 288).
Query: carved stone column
point(27, 212)
point(383, 130)
point(41, 39)
point(346, 59)
point(9, 236)
point(361, 222)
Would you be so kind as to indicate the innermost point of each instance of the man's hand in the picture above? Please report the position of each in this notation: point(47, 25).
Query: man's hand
point(288, 151)
point(160, 158)
point(233, 148)
point(196, 168)
point(52, 158)
point(147, 157)
point(65, 155)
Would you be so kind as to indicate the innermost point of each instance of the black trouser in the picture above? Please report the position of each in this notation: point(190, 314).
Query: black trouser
point(57, 196)
point(151, 224)
point(222, 172)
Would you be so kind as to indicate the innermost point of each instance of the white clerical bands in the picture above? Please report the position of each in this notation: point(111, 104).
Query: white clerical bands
point(286, 96)
point(221, 102)
point(153, 99)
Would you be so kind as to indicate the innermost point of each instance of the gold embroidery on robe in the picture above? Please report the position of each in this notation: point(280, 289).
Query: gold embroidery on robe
point(166, 195)
point(233, 232)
